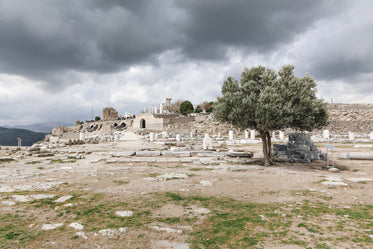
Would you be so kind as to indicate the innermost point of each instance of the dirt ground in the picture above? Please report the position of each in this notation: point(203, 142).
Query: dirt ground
point(183, 202)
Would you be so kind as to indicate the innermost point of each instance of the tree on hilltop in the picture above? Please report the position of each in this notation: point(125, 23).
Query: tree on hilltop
point(186, 107)
point(265, 100)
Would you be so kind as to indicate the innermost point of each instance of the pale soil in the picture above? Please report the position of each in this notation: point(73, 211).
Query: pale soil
point(132, 177)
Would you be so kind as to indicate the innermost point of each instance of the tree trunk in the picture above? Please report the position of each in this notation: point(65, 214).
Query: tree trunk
point(266, 149)
point(269, 144)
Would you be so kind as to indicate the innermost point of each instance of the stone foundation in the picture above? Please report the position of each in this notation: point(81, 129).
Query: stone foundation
point(299, 149)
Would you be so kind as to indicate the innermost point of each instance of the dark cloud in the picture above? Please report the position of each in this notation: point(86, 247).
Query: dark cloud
point(54, 36)
point(259, 26)
point(42, 38)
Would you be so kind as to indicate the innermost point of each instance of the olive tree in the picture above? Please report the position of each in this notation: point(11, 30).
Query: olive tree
point(265, 100)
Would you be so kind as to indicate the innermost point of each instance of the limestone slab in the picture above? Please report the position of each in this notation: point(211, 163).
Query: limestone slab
point(176, 153)
point(148, 153)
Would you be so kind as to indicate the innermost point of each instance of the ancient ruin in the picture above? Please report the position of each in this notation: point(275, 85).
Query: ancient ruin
point(109, 113)
point(299, 149)
point(160, 179)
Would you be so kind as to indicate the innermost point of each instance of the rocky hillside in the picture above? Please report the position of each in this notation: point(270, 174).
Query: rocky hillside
point(357, 118)
point(343, 118)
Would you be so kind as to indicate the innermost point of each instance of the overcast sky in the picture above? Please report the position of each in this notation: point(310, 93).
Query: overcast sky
point(58, 58)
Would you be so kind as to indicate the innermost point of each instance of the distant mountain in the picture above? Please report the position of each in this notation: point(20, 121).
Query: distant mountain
point(8, 136)
point(41, 127)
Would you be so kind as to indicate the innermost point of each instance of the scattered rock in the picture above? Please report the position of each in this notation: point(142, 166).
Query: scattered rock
point(76, 226)
point(124, 213)
point(202, 211)
point(21, 198)
point(333, 180)
point(51, 226)
point(8, 203)
point(173, 176)
point(82, 234)
point(166, 229)
point(70, 204)
point(333, 170)
point(334, 183)
point(42, 196)
point(63, 198)
point(206, 183)
point(362, 179)
point(110, 232)
point(170, 245)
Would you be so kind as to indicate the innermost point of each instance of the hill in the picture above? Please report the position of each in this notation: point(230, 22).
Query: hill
point(8, 136)
point(41, 127)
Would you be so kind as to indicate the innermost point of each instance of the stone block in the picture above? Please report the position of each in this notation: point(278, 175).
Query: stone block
point(280, 147)
point(148, 153)
point(241, 154)
point(123, 153)
point(313, 147)
point(176, 153)
point(314, 155)
point(211, 154)
point(304, 147)
point(323, 156)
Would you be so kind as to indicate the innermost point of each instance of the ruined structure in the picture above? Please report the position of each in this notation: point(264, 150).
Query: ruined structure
point(299, 149)
point(347, 123)
point(109, 113)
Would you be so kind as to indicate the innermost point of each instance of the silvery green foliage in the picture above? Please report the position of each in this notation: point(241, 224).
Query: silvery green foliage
point(265, 100)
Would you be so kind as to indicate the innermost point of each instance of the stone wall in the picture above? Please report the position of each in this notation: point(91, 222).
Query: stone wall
point(148, 121)
point(109, 113)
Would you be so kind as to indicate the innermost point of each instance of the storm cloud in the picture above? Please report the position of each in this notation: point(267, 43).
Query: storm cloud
point(73, 54)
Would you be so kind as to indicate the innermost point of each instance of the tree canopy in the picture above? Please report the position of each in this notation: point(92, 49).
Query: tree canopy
point(265, 100)
point(186, 107)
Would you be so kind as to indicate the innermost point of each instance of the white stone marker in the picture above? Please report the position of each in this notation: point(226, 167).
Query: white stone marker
point(371, 135)
point(151, 136)
point(230, 136)
point(81, 136)
point(246, 134)
point(252, 134)
point(207, 142)
point(219, 135)
point(273, 134)
point(281, 135)
point(178, 138)
point(325, 134)
point(351, 135)
point(164, 134)
point(191, 134)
